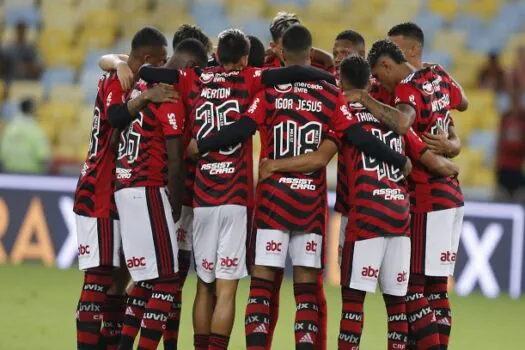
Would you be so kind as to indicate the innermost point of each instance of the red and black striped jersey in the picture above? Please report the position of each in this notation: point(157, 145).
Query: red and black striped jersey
point(378, 92)
point(94, 192)
point(142, 158)
point(292, 120)
point(189, 164)
point(217, 98)
point(433, 94)
point(378, 197)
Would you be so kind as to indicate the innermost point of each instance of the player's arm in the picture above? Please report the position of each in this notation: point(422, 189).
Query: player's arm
point(439, 165)
point(441, 144)
point(118, 63)
point(120, 115)
point(164, 75)
point(287, 75)
point(175, 149)
point(398, 119)
point(304, 163)
point(463, 105)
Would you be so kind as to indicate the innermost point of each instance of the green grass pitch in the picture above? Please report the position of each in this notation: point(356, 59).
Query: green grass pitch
point(37, 306)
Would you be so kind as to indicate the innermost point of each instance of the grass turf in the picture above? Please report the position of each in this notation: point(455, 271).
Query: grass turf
point(38, 311)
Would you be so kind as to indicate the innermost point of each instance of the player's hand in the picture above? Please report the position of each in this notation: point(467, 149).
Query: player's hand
point(437, 143)
point(193, 150)
point(269, 55)
point(353, 95)
point(266, 169)
point(161, 93)
point(125, 76)
point(408, 168)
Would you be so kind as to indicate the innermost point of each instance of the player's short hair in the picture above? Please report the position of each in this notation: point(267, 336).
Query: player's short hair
point(233, 45)
point(352, 36)
point(385, 48)
point(257, 51)
point(356, 71)
point(281, 22)
point(148, 36)
point(195, 49)
point(408, 30)
point(191, 31)
point(27, 106)
point(297, 39)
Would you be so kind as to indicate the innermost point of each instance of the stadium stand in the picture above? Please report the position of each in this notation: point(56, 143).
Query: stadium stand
point(72, 34)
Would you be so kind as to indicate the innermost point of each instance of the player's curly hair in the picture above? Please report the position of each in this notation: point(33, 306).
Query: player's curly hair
point(233, 45)
point(281, 22)
point(352, 36)
point(385, 48)
point(257, 50)
point(408, 30)
point(355, 70)
point(190, 31)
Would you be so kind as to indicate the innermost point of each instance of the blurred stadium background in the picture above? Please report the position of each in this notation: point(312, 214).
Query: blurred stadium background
point(481, 42)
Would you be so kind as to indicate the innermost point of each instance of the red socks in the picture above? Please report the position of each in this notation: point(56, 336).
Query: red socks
point(218, 342)
point(436, 291)
point(397, 322)
point(274, 306)
point(306, 315)
point(421, 319)
point(90, 307)
point(113, 321)
point(323, 313)
point(135, 306)
point(200, 341)
point(352, 318)
point(257, 317)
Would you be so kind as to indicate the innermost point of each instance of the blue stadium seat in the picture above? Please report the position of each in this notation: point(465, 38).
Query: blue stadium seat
point(430, 23)
point(259, 28)
point(28, 14)
point(89, 82)
point(441, 57)
point(91, 59)
point(61, 75)
point(468, 23)
point(486, 142)
point(9, 110)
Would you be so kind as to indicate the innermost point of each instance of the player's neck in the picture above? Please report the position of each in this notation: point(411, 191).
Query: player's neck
point(232, 66)
point(417, 63)
point(298, 62)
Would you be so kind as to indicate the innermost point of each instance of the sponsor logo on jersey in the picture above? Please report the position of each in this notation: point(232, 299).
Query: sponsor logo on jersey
point(218, 168)
point(108, 99)
point(181, 235)
point(389, 194)
point(311, 246)
point(402, 277)
point(254, 105)
point(298, 184)
point(123, 173)
point(229, 262)
point(273, 246)
point(206, 265)
point(84, 170)
point(220, 93)
point(172, 119)
point(83, 250)
point(370, 272)
point(448, 257)
point(283, 88)
point(206, 77)
point(136, 262)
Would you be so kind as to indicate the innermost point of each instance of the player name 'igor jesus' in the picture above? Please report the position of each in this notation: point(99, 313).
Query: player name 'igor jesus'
point(299, 105)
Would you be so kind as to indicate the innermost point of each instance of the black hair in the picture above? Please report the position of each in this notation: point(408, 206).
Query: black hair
point(297, 39)
point(356, 71)
point(27, 106)
point(194, 48)
point(233, 45)
point(281, 22)
point(385, 48)
point(351, 36)
point(408, 30)
point(257, 51)
point(190, 31)
point(148, 36)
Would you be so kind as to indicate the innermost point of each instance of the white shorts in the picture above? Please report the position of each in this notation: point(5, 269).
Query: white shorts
point(383, 259)
point(184, 228)
point(98, 241)
point(149, 240)
point(305, 249)
point(219, 242)
point(435, 241)
point(342, 232)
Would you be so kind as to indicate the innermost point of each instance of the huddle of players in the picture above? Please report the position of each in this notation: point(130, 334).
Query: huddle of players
point(303, 121)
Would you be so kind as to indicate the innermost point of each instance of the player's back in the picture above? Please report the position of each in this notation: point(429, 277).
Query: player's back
point(433, 94)
point(217, 98)
point(94, 193)
point(297, 117)
point(142, 158)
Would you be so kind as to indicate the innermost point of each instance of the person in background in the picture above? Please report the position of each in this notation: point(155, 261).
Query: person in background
point(23, 56)
point(492, 74)
point(516, 75)
point(511, 149)
point(24, 146)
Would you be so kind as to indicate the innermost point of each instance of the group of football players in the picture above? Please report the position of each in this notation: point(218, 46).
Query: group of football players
point(169, 174)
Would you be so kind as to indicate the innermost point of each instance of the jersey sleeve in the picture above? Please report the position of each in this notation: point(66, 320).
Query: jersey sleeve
point(342, 118)
point(455, 94)
point(171, 119)
point(114, 95)
point(415, 147)
point(334, 137)
point(257, 84)
point(406, 94)
point(257, 109)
